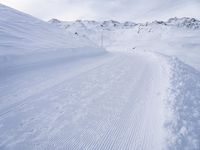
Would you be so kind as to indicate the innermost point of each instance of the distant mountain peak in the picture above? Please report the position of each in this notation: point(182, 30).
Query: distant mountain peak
point(190, 23)
point(184, 22)
point(53, 20)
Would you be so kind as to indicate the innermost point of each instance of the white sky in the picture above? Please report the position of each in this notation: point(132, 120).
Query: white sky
point(122, 10)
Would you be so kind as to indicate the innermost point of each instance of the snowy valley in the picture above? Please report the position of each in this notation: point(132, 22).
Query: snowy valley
point(173, 37)
point(98, 85)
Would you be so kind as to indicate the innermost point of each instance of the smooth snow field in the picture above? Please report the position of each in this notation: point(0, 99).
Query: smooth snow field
point(60, 91)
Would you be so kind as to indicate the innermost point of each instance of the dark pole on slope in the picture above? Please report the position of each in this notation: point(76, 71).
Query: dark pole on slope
point(102, 36)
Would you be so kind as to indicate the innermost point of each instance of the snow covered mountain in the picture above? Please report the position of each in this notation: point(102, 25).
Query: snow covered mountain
point(184, 22)
point(111, 24)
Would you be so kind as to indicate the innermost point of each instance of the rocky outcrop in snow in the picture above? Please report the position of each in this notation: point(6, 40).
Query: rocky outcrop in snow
point(190, 23)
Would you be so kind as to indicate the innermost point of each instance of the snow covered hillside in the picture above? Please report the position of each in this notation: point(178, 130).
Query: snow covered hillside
point(60, 89)
point(176, 37)
point(25, 38)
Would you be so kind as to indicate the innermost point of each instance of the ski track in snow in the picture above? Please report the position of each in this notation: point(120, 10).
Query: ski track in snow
point(114, 103)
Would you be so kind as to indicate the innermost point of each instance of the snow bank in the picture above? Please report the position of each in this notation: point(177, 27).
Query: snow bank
point(23, 37)
point(184, 103)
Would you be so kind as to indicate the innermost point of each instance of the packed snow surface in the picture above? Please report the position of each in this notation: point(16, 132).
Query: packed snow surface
point(112, 102)
point(60, 90)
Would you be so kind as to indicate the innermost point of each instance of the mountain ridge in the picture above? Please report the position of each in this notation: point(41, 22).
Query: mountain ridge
point(187, 22)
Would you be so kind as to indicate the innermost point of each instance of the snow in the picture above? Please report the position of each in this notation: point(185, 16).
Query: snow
point(173, 37)
point(60, 89)
point(178, 41)
point(102, 107)
point(25, 37)
point(185, 104)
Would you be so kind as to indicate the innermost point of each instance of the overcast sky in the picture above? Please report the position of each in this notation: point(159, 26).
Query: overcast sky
point(122, 10)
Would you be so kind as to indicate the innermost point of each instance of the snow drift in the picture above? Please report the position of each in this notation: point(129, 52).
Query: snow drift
point(24, 39)
point(184, 102)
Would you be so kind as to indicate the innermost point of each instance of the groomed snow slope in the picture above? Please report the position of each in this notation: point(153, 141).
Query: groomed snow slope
point(109, 102)
point(52, 98)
